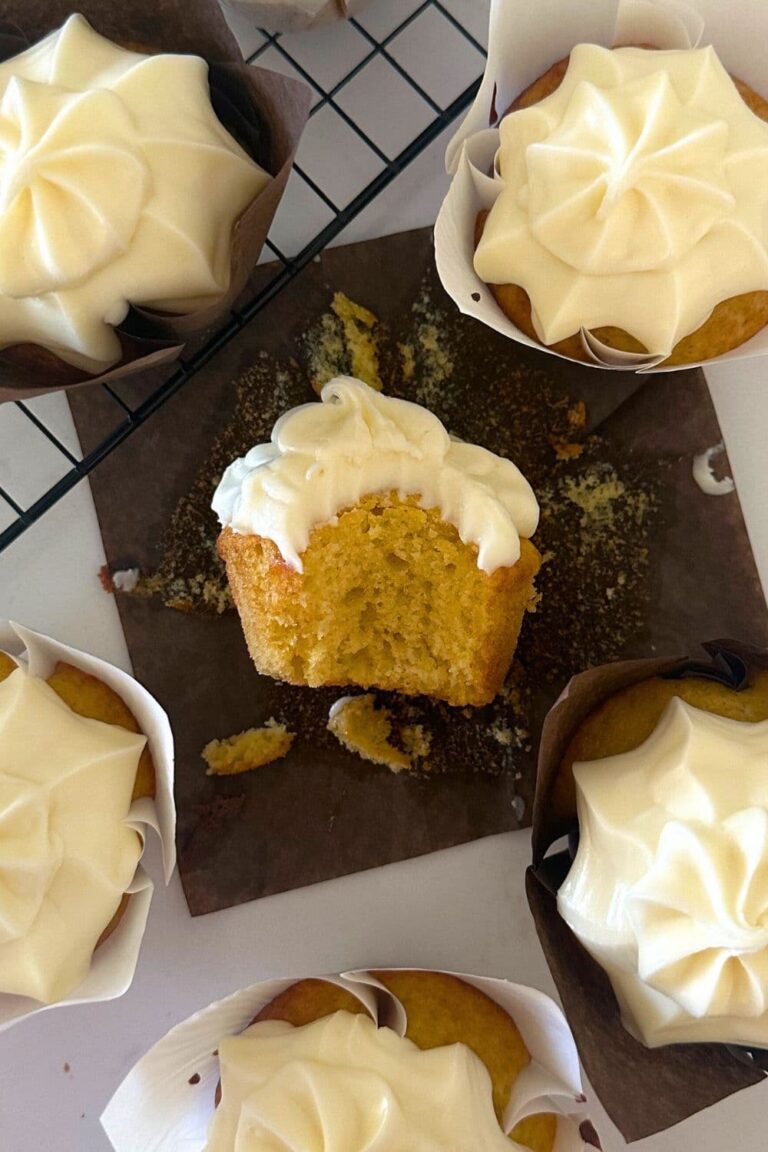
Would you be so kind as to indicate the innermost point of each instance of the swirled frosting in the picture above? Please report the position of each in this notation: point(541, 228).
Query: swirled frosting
point(66, 855)
point(669, 886)
point(635, 195)
point(118, 186)
point(341, 1083)
point(324, 457)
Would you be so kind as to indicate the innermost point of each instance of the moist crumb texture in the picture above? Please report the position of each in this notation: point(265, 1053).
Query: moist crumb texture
point(389, 598)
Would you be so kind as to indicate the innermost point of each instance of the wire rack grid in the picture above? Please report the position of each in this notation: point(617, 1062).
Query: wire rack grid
point(377, 107)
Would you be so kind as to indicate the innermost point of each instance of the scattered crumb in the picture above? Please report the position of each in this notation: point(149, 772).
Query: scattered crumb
point(416, 741)
point(502, 734)
point(344, 342)
point(247, 750)
point(105, 579)
point(67, 1067)
point(366, 729)
point(194, 1079)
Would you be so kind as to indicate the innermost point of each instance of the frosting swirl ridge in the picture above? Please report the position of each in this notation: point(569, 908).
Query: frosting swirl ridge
point(669, 886)
point(66, 854)
point(341, 1083)
point(634, 195)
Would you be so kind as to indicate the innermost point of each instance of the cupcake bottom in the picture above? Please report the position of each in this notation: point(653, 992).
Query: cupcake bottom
point(390, 598)
point(731, 323)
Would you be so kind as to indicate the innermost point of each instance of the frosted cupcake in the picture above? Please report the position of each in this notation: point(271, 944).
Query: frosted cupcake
point(365, 546)
point(120, 188)
point(630, 207)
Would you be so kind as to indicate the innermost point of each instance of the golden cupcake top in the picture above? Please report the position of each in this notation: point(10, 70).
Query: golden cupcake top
point(668, 886)
point(118, 186)
point(341, 1082)
point(634, 196)
point(67, 855)
point(325, 457)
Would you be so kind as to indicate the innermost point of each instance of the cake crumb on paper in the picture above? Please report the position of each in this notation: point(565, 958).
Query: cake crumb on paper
point(366, 730)
point(344, 342)
point(248, 750)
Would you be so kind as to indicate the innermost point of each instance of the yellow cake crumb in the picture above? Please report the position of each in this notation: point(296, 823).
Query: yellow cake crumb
point(344, 343)
point(364, 729)
point(251, 749)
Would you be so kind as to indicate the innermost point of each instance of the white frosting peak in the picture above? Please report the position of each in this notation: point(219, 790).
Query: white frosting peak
point(325, 457)
point(118, 186)
point(66, 855)
point(343, 1084)
point(669, 886)
point(633, 196)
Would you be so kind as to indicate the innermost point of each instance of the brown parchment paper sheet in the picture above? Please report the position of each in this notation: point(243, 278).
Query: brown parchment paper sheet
point(266, 113)
point(643, 1090)
point(322, 812)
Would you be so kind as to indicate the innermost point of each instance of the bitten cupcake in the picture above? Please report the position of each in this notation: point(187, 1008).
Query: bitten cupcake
point(365, 546)
point(631, 193)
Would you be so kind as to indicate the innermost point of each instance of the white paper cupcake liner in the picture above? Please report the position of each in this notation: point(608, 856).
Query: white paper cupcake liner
point(114, 962)
point(525, 39)
point(295, 15)
point(166, 1102)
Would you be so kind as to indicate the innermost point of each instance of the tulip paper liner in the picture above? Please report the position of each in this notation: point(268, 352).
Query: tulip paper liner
point(166, 1102)
point(264, 111)
point(295, 15)
point(524, 41)
point(675, 1081)
point(114, 962)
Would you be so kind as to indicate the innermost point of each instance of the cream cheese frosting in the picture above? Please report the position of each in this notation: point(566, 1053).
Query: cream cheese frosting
point(341, 1083)
point(118, 186)
point(634, 196)
point(669, 886)
point(324, 457)
point(66, 854)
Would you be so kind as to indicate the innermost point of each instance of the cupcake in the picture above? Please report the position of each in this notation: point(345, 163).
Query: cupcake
point(631, 204)
point(365, 546)
point(139, 186)
point(611, 207)
point(78, 781)
point(396, 1059)
point(121, 187)
point(658, 771)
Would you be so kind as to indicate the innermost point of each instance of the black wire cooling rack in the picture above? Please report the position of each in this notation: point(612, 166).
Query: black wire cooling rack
point(393, 49)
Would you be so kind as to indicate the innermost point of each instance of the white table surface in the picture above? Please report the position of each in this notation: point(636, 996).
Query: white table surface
point(462, 909)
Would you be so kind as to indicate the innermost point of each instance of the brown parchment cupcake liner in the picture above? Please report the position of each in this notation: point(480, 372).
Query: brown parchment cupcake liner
point(295, 15)
point(643, 1090)
point(264, 111)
